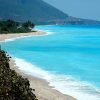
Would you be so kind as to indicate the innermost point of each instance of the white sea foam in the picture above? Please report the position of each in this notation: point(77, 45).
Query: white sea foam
point(12, 39)
point(31, 69)
point(49, 32)
point(63, 83)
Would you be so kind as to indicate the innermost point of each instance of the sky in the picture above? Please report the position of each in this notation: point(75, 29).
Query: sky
point(88, 9)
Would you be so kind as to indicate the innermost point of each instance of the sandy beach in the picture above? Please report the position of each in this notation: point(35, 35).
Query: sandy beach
point(20, 35)
point(42, 89)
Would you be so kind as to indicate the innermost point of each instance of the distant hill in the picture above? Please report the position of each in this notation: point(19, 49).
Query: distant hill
point(38, 12)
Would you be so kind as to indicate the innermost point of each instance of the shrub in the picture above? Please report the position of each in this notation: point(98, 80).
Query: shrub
point(12, 85)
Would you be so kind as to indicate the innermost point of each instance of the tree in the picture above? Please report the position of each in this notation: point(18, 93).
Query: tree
point(11, 23)
point(28, 24)
point(11, 26)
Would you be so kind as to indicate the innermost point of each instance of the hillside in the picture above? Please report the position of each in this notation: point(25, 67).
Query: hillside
point(33, 10)
point(36, 11)
point(12, 85)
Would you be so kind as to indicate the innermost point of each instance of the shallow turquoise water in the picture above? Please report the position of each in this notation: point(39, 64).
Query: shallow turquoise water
point(70, 52)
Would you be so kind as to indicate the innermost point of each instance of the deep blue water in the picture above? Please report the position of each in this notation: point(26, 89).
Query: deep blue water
point(70, 54)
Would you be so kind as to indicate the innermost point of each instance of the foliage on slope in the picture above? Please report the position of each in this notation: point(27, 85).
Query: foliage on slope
point(13, 86)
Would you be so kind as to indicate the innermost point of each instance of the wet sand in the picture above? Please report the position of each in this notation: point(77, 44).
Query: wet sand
point(42, 89)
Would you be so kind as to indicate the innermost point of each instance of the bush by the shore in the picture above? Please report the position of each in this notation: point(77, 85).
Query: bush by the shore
point(11, 26)
point(12, 85)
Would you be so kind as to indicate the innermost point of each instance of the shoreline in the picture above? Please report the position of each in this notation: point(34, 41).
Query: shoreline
point(12, 36)
point(42, 89)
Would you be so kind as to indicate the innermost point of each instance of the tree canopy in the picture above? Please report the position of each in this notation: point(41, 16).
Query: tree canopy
point(11, 26)
point(12, 85)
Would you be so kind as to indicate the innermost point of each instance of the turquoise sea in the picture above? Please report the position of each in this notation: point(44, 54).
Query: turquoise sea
point(68, 57)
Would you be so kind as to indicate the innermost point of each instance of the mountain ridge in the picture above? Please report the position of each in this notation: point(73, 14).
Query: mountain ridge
point(37, 11)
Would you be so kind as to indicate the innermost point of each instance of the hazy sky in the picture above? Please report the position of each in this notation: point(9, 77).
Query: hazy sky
point(78, 8)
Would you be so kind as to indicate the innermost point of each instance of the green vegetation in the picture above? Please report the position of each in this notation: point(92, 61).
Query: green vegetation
point(10, 26)
point(13, 86)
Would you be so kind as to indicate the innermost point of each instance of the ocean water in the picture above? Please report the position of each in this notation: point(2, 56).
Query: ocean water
point(68, 58)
